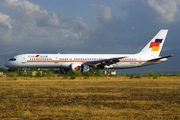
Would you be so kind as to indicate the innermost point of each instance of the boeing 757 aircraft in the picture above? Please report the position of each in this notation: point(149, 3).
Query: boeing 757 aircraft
point(149, 55)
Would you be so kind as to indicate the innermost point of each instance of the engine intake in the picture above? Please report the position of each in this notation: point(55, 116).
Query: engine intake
point(79, 67)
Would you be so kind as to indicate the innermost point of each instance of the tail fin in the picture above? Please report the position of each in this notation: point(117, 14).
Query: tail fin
point(153, 48)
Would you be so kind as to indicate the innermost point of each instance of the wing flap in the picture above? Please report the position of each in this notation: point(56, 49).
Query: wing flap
point(103, 62)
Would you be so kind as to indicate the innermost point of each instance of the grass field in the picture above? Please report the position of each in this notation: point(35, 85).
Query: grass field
point(91, 98)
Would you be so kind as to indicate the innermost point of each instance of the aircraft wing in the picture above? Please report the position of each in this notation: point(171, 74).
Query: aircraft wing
point(103, 62)
point(157, 59)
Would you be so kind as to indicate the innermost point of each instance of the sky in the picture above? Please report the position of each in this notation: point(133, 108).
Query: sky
point(91, 26)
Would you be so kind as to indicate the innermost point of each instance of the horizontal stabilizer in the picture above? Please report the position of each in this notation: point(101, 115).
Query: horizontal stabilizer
point(157, 59)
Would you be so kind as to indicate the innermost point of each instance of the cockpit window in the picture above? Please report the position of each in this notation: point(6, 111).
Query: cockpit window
point(12, 59)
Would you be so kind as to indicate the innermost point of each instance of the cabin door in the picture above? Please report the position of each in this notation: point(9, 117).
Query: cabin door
point(24, 60)
point(56, 59)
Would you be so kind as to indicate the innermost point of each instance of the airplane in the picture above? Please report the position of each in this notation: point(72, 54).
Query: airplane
point(149, 55)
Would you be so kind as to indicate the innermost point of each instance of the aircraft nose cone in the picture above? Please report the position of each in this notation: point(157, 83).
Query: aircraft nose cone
point(6, 64)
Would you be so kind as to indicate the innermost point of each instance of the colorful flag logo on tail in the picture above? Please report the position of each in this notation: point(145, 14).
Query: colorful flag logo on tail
point(77, 68)
point(155, 45)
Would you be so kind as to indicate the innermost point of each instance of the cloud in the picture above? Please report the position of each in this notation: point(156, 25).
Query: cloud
point(33, 28)
point(21, 5)
point(28, 27)
point(5, 20)
point(167, 9)
point(49, 19)
point(104, 12)
point(134, 29)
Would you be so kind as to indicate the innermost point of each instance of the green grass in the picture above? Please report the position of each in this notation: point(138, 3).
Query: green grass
point(153, 75)
point(52, 73)
point(73, 77)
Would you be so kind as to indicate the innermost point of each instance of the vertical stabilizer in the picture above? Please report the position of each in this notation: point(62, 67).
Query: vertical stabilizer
point(153, 48)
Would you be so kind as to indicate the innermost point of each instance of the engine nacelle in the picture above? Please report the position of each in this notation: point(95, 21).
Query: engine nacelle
point(85, 68)
point(79, 67)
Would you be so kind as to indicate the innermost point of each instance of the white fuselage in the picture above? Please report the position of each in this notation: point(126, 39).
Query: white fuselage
point(65, 60)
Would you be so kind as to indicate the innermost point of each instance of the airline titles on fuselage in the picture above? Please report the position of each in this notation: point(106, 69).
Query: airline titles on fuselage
point(37, 56)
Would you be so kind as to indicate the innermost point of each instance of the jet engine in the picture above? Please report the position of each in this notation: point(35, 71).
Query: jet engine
point(79, 67)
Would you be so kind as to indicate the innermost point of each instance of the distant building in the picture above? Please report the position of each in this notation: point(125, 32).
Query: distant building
point(109, 73)
point(1, 73)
